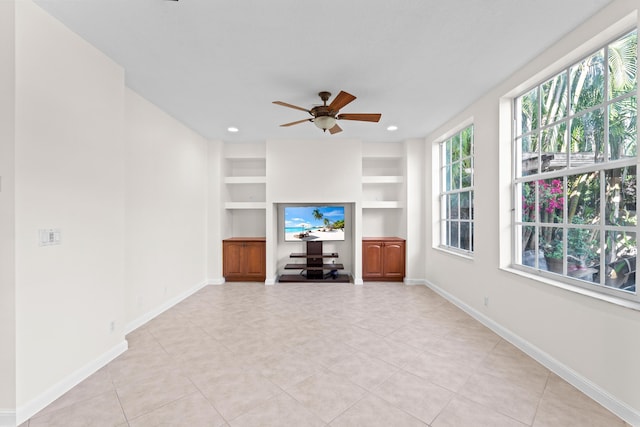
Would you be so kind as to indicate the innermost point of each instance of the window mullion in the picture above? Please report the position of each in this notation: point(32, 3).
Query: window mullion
point(603, 232)
point(606, 155)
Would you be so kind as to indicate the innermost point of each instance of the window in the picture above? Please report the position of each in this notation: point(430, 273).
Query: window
point(456, 194)
point(575, 177)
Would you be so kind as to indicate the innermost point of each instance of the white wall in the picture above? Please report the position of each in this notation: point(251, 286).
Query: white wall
point(166, 209)
point(594, 340)
point(414, 210)
point(69, 174)
point(7, 238)
point(312, 171)
point(215, 213)
point(79, 134)
point(326, 170)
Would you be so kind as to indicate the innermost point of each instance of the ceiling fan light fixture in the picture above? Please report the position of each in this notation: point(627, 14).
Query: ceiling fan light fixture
point(325, 122)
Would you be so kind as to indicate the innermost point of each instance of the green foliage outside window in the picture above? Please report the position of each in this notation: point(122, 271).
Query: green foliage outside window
point(456, 196)
point(576, 136)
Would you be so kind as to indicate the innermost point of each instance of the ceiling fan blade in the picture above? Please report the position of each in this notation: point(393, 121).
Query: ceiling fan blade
point(363, 117)
point(342, 99)
point(335, 129)
point(284, 104)
point(295, 123)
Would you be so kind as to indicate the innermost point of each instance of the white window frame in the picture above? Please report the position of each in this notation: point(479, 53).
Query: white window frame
point(444, 193)
point(593, 289)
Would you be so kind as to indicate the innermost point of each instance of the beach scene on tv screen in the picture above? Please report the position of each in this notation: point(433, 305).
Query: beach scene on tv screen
point(314, 223)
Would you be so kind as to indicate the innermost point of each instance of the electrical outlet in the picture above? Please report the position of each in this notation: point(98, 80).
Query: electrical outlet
point(112, 325)
point(486, 301)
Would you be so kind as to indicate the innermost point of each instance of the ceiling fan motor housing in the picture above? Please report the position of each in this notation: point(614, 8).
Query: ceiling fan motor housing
point(322, 110)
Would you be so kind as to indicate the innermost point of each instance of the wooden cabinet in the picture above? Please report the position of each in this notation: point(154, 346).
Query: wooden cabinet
point(383, 258)
point(244, 259)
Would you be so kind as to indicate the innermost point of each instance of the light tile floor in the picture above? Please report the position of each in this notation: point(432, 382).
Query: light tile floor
point(321, 354)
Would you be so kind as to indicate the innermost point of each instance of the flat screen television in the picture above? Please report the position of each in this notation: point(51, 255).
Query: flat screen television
point(320, 223)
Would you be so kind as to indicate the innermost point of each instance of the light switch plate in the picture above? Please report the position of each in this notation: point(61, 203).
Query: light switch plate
point(49, 236)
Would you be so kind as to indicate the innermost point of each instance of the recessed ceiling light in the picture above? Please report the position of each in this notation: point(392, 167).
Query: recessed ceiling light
point(232, 129)
point(392, 128)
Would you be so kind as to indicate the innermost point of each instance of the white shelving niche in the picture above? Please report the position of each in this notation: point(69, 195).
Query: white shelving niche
point(383, 189)
point(382, 182)
point(244, 191)
point(245, 183)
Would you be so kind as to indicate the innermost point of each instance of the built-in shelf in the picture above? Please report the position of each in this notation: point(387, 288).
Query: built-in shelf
point(245, 180)
point(385, 179)
point(380, 204)
point(244, 183)
point(382, 179)
point(245, 205)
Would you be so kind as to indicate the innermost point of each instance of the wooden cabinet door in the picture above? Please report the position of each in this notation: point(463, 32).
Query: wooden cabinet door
point(254, 260)
point(393, 260)
point(372, 254)
point(232, 259)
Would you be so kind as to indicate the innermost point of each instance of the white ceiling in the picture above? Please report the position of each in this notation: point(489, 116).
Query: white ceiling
point(214, 64)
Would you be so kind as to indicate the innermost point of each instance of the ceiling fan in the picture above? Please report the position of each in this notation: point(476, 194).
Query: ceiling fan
point(325, 116)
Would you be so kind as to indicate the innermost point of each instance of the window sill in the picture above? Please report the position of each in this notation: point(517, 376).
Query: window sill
point(465, 255)
point(633, 305)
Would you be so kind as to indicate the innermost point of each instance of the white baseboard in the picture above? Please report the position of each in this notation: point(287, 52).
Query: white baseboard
point(408, 281)
point(621, 409)
point(29, 409)
point(357, 281)
point(7, 418)
point(136, 323)
point(219, 281)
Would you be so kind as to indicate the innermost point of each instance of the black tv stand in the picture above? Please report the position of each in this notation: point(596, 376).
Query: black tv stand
point(314, 270)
